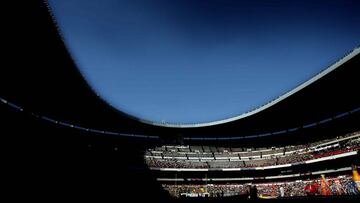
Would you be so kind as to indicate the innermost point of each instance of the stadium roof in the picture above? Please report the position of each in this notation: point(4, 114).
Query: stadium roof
point(212, 70)
point(44, 79)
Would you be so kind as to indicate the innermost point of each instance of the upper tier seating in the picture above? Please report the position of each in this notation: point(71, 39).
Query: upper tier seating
point(222, 157)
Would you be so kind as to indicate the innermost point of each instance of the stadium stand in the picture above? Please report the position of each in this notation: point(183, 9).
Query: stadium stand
point(195, 157)
point(338, 185)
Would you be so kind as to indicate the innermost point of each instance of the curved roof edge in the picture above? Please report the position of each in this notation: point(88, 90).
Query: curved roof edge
point(324, 72)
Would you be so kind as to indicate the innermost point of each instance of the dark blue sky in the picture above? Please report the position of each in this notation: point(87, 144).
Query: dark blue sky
point(195, 61)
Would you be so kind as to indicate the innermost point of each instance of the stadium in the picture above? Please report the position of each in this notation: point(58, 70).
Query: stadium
point(61, 140)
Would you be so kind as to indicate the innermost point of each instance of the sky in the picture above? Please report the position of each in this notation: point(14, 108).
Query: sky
point(197, 61)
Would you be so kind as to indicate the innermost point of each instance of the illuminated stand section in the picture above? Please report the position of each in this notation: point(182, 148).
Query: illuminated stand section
point(329, 166)
point(206, 158)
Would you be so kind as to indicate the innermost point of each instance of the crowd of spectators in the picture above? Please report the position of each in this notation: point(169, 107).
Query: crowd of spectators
point(343, 148)
point(295, 157)
point(339, 185)
point(213, 190)
point(175, 163)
